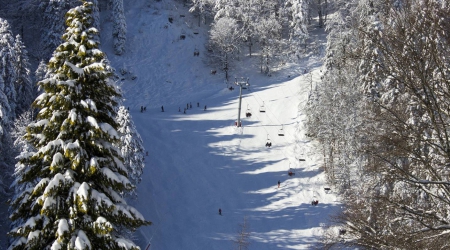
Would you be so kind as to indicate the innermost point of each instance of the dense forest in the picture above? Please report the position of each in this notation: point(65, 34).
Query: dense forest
point(380, 114)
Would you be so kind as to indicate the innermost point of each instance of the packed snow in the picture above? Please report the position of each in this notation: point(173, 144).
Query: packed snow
point(199, 162)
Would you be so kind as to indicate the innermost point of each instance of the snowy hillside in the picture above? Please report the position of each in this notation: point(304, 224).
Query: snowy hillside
point(199, 162)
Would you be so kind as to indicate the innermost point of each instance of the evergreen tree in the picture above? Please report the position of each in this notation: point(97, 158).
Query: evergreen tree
point(24, 87)
point(77, 173)
point(96, 15)
point(5, 109)
point(53, 24)
point(41, 71)
point(7, 71)
point(22, 149)
point(131, 146)
point(119, 27)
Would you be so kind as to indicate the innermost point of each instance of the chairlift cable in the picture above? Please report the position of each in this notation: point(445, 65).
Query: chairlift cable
point(275, 117)
point(264, 127)
point(271, 121)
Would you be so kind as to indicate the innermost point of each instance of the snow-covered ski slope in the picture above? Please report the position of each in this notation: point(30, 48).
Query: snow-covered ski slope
point(199, 162)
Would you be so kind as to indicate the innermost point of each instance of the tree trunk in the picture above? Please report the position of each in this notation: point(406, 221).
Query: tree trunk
point(319, 7)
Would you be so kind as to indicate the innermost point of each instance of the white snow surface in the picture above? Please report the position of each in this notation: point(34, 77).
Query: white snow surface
point(199, 162)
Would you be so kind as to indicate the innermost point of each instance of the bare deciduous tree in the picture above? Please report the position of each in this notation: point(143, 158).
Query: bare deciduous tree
point(242, 240)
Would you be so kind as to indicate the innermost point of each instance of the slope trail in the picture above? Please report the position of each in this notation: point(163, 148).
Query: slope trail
point(199, 162)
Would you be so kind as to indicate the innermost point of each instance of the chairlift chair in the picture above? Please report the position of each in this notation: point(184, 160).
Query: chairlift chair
point(268, 142)
point(248, 113)
point(183, 35)
point(291, 171)
point(262, 109)
point(196, 52)
point(281, 131)
point(314, 201)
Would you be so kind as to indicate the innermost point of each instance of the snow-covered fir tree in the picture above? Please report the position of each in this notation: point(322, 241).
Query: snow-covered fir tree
point(7, 71)
point(96, 14)
point(119, 27)
point(53, 24)
point(77, 174)
point(131, 146)
point(5, 109)
point(41, 71)
point(22, 149)
point(23, 84)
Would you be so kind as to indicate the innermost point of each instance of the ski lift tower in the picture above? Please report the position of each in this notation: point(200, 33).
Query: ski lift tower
point(243, 84)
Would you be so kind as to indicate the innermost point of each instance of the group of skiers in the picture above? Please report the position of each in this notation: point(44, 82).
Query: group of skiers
point(188, 106)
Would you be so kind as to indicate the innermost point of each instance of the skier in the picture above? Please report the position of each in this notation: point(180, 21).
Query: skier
point(279, 183)
point(145, 108)
point(162, 108)
point(198, 104)
point(179, 109)
point(220, 211)
point(190, 105)
point(146, 153)
point(184, 112)
point(205, 108)
point(187, 105)
point(142, 109)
